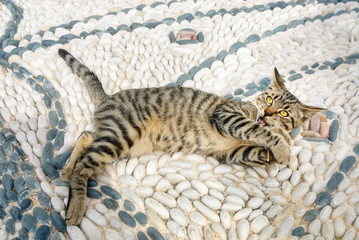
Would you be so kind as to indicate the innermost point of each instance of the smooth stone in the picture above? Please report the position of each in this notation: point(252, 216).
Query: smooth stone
point(356, 150)
point(207, 63)
point(96, 217)
point(59, 140)
point(324, 130)
point(127, 219)
point(10, 226)
point(47, 154)
point(295, 132)
point(91, 183)
point(50, 171)
point(53, 118)
point(44, 200)
point(23, 234)
point(259, 223)
point(26, 204)
point(110, 192)
point(314, 124)
point(61, 159)
point(41, 216)
point(187, 16)
point(11, 195)
point(58, 222)
point(7, 182)
point(19, 184)
point(200, 37)
point(32, 183)
point(295, 77)
point(52, 133)
point(3, 200)
point(168, 21)
point(234, 48)
point(26, 168)
point(298, 232)
point(62, 124)
point(15, 158)
point(93, 193)
point(334, 181)
point(183, 78)
point(90, 229)
point(48, 102)
point(311, 215)
point(128, 205)
point(12, 167)
point(110, 203)
point(28, 223)
point(323, 199)
point(141, 236)
point(222, 54)
point(154, 234)
point(15, 213)
point(141, 218)
point(43, 233)
point(333, 130)
point(347, 164)
point(252, 38)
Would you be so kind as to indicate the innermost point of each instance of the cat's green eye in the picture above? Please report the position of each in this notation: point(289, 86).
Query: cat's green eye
point(283, 113)
point(269, 100)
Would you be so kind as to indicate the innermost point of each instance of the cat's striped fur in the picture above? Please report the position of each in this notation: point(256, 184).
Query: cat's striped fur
point(170, 119)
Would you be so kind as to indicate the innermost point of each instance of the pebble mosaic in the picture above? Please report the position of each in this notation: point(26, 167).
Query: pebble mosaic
point(42, 114)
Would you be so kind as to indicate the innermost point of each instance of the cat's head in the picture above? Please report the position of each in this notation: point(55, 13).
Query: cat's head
point(280, 108)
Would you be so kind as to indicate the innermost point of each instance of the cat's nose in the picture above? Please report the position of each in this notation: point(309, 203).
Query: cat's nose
point(266, 113)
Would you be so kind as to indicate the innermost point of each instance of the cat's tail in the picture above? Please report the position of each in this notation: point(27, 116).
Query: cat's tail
point(91, 81)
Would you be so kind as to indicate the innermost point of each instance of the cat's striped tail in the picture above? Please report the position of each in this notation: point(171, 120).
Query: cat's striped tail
point(91, 81)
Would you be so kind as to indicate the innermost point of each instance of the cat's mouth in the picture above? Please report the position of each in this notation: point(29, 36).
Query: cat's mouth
point(262, 121)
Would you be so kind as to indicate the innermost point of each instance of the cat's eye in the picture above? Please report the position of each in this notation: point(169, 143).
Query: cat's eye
point(269, 100)
point(283, 113)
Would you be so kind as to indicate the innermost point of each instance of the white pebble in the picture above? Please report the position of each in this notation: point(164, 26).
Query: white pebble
point(157, 207)
point(144, 191)
point(349, 235)
point(75, 233)
point(128, 234)
point(197, 218)
point(284, 174)
point(175, 229)
point(182, 186)
point(193, 232)
point(58, 204)
point(175, 178)
point(325, 213)
point(259, 223)
point(150, 180)
point(225, 219)
point(191, 194)
point(252, 190)
point(255, 202)
point(131, 165)
point(243, 229)
point(112, 234)
point(340, 210)
point(241, 214)
point(328, 230)
point(286, 227)
point(339, 227)
point(203, 176)
point(178, 216)
point(218, 228)
point(211, 215)
point(165, 199)
point(96, 217)
point(217, 194)
point(305, 156)
point(222, 169)
point(337, 199)
point(184, 203)
point(314, 227)
point(211, 202)
point(90, 229)
point(300, 191)
point(200, 186)
point(128, 180)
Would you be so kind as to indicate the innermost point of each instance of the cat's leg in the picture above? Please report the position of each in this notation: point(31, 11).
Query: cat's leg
point(232, 124)
point(105, 148)
point(247, 155)
point(83, 141)
point(283, 133)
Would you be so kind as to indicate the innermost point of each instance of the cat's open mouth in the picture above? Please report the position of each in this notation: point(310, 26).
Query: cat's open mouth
point(262, 121)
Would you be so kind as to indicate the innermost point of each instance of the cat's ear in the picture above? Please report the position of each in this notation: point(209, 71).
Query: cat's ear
point(309, 111)
point(278, 81)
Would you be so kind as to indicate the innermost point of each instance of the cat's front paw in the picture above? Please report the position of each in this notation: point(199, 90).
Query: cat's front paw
point(283, 133)
point(76, 209)
point(282, 153)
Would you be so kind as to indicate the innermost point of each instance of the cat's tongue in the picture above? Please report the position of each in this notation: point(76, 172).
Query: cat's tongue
point(262, 121)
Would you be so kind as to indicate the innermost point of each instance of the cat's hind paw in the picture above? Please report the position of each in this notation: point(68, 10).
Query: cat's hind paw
point(282, 153)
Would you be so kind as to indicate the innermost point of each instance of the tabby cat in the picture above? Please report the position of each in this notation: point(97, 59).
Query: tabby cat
point(171, 119)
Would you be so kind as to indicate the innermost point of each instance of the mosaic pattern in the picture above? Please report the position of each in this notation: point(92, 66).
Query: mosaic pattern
point(222, 47)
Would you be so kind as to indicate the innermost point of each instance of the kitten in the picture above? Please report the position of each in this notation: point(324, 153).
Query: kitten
point(171, 119)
